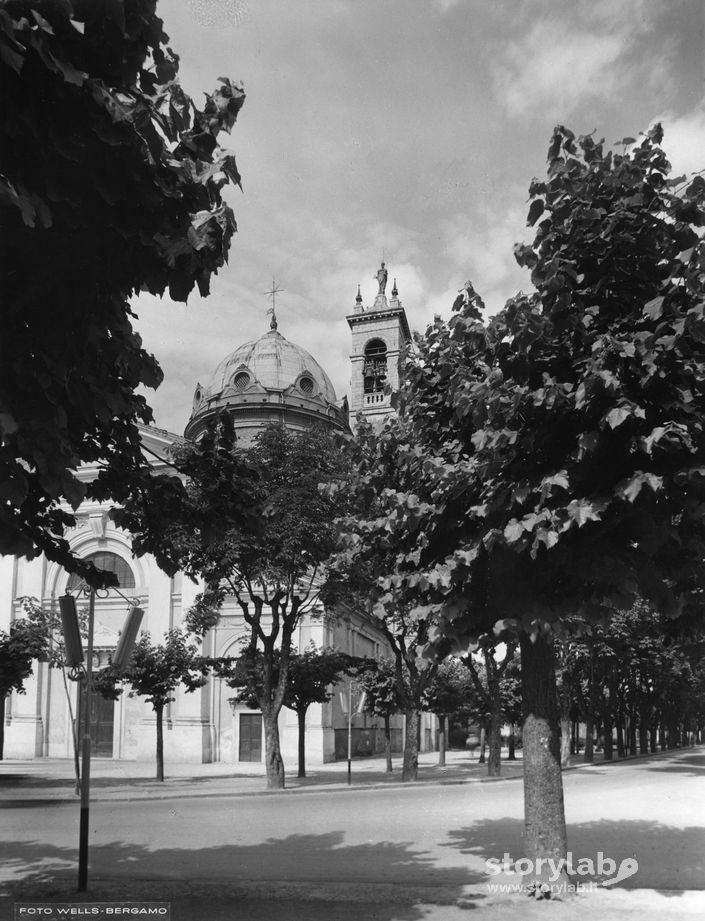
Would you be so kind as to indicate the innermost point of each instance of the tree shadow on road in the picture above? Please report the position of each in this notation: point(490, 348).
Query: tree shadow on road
point(304, 868)
point(686, 764)
point(669, 858)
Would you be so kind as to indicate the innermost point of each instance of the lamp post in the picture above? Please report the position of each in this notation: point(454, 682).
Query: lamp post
point(74, 658)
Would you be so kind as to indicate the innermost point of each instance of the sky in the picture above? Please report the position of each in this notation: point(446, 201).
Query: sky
point(407, 130)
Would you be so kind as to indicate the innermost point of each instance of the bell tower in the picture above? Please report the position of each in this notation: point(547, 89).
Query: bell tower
point(380, 339)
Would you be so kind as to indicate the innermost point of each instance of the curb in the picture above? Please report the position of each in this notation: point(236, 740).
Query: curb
point(179, 792)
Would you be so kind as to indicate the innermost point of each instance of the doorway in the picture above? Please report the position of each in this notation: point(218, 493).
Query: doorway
point(250, 737)
point(102, 723)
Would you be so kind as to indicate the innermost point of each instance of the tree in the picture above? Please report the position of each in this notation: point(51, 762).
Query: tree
point(487, 681)
point(47, 628)
point(447, 697)
point(311, 675)
point(155, 672)
point(268, 561)
point(378, 680)
point(26, 640)
point(557, 452)
point(379, 488)
point(110, 183)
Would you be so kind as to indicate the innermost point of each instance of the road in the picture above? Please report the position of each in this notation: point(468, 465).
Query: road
point(431, 836)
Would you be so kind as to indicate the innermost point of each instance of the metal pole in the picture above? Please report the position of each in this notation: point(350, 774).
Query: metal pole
point(86, 756)
point(349, 733)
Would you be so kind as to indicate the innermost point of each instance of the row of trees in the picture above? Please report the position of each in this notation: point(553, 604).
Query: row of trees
point(640, 683)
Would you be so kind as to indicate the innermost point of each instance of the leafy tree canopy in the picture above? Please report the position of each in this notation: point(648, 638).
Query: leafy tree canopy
point(155, 671)
point(557, 452)
point(26, 640)
point(271, 558)
point(110, 184)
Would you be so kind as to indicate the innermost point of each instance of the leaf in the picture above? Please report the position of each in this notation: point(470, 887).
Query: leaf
point(581, 512)
point(615, 417)
point(560, 480)
point(653, 308)
point(631, 489)
point(513, 531)
point(535, 211)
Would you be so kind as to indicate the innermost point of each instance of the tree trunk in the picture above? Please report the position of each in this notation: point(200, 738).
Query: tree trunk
point(511, 745)
point(272, 751)
point(3, 698)
point(564, 699)
point(632, 736)
point(159, 710)
point(607, 744)
point(442, 740)
point(388, 744)
point(653, 739)
point(544, 812)
point(301, 717)
point(643, 734)
point(410, 768)
point(483, 742)
point(620, 736)
point(565, 738)
point(589, 753)
point(494, 761)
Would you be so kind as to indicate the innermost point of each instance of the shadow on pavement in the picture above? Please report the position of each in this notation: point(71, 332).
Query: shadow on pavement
point(305, 867)
point(650, 842)
point(687, 764)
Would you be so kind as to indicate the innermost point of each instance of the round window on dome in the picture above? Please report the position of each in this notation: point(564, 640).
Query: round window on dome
point(241, 380)
point(306, 384)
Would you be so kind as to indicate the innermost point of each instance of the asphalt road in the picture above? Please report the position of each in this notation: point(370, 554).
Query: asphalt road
point(429, 836)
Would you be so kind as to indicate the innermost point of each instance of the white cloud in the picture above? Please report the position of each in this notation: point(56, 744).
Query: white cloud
point(573, 54)
point(684, 140)
point(554, 71)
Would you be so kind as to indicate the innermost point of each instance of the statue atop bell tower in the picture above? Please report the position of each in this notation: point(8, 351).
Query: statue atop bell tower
point(380, 338)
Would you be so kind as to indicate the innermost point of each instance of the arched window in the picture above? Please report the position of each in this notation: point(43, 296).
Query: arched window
point(110, 562)
point(374, 368)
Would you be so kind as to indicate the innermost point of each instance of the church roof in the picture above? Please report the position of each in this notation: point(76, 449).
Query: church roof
point(274, 363)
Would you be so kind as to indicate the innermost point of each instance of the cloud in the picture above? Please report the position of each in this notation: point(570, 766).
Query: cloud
point(481, 247)
point(567, 58)
point(684, 140)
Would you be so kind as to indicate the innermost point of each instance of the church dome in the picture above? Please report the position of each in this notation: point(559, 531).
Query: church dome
point(267, 380)
point(274, 363)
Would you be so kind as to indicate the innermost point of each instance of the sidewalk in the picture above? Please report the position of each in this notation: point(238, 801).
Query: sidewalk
point(52, 780)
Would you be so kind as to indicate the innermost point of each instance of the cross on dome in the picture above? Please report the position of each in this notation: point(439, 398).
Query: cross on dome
point(273, 294)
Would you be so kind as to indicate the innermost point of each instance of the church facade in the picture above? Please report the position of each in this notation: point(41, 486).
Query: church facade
point(268, 379)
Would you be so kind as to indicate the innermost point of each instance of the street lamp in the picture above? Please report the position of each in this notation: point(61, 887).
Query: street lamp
point(74, 659)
